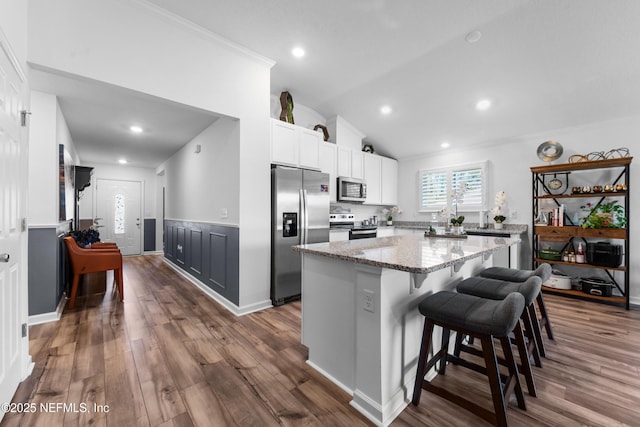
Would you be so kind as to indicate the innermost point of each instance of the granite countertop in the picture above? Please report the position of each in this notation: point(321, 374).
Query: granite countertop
point(471, 227)
point(412, 253)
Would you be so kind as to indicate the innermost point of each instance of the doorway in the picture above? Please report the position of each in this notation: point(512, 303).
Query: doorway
point(119, 214)
point(13, 193)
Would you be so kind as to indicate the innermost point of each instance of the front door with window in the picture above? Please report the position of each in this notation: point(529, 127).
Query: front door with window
point(118, 214)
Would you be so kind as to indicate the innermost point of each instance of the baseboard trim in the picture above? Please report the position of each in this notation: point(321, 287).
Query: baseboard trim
point(53, 316)
point(236, 310)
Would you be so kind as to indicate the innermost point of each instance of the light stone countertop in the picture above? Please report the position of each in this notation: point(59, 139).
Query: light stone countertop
point(468, 226)
point(411, 253)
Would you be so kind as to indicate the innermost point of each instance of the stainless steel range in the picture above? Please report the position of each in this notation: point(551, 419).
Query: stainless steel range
point(367, 229)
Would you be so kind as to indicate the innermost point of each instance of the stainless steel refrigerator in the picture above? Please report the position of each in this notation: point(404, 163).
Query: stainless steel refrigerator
point(299, 215)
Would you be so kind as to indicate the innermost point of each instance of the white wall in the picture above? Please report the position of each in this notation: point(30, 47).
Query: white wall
point(510, 171)
point(205, 183)
point(126, 173)
point(302, 115)
point(135, 46)
point(48, 129)
point(13, 25)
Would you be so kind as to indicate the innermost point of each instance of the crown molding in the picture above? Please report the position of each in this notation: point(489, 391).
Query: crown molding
point(203, 32)
point(15, 63)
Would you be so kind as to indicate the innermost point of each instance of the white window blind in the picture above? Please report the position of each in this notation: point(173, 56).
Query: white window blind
point(473, 197)
point(433, 190)
point(437, 186)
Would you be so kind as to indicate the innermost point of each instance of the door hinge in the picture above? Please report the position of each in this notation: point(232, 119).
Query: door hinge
point(23, 117)
point(23, 224)
point(24, 330)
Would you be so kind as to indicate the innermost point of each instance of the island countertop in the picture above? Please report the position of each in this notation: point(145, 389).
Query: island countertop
point(411, 253)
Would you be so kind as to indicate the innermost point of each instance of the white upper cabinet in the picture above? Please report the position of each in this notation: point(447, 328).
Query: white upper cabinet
point(357, 164)
point(373, 177)
point(284, 143)
point(344, 161)
point(328, 154)
point(310, 141)
point(350, 163)
point(293, 145)
point(389, 181)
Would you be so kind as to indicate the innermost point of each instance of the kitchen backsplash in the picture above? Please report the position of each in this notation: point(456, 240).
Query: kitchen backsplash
point(361, 212)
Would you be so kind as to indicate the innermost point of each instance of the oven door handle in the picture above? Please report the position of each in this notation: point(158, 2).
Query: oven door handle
point(364, 231)
point(363, 234)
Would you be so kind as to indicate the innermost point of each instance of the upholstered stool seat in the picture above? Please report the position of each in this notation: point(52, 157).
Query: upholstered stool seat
point(498, 290)
point(483, 319)
point(514, 275)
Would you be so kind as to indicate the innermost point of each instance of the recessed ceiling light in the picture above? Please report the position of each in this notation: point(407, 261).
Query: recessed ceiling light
point(445, 144)
point(386, 110)
point(473, 36)
point(298, 52)
point(135, 129)
point(483, 104)
point(122, 161)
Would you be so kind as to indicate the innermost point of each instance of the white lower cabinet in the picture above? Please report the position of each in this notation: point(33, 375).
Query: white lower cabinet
point(386, 231)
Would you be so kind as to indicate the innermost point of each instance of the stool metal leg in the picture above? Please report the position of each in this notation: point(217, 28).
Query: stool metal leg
point(446, 334)
point(497, 391)
point(533, 334)
point(524, 359)
point(513, 381)
point(422, 361)
point(544, 320)
point(537, 330)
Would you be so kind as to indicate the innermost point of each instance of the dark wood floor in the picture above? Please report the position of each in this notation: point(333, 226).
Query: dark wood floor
point(170, 356)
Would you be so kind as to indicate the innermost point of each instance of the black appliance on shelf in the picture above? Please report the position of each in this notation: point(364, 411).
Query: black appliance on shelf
point(604, 254)
point(596, 286)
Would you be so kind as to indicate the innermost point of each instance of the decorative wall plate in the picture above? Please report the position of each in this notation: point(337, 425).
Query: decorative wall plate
point(549, 151)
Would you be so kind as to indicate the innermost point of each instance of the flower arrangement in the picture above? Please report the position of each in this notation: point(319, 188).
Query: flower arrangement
point(498, 210)
point(389, 212)
point(457, 197)
point(604, 215)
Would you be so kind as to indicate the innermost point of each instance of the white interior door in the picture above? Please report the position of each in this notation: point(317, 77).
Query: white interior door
point(119, 214)
point(13, 177)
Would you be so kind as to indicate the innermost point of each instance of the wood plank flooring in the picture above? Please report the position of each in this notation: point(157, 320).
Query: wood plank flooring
point(170, 356)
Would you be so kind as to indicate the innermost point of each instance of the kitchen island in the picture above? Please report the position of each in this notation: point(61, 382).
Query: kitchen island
point(360, 320)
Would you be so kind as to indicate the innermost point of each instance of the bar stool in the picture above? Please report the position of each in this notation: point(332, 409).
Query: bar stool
point(514, 275)
point(483, 319)
point(498, 290)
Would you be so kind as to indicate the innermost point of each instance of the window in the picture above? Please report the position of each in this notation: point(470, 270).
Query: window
point(118, 221)
point(437, 188)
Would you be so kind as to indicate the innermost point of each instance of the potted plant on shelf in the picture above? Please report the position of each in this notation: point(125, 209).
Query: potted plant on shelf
point(389, 212)
point(457, 197)
point(456, 223)
point(604, 215)
point(498, 210)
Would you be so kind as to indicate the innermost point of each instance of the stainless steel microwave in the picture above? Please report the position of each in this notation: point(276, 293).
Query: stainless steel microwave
point(351, 190)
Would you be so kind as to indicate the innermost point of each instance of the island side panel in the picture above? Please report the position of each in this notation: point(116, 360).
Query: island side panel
point(328, 317)
point(388, 340)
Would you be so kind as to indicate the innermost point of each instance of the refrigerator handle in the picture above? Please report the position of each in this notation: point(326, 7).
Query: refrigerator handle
point(304, 227)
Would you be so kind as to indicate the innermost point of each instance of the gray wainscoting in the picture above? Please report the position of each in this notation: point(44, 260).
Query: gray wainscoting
point(47, 268)
point(149, 234)
point(208, 252)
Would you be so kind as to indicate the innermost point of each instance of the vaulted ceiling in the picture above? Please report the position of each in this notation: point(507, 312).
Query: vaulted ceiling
point(544, 65)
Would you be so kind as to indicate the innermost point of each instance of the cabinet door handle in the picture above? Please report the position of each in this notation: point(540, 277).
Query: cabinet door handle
point(4, 257)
